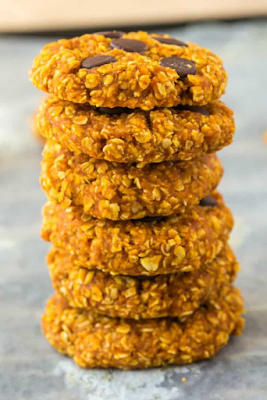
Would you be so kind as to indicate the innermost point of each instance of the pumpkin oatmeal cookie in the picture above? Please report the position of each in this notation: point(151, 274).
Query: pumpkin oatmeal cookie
point(126, 191)
point(98, 341)
point(34, 126)
point(172, 295)
point(150, 246)
point(134, 70)
point(124, 135)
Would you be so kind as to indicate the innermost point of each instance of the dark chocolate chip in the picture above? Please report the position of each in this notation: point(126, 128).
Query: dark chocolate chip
point(208, 201)
point(151, 219)
point(130, 45)
point(142, 278)
point(112, 111)
point(197, 109)
point(173, 41)
point(97, 61)
point(182, 66)
point(111, 34)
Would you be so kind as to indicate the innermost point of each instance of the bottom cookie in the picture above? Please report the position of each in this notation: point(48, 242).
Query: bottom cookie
point(97, 341)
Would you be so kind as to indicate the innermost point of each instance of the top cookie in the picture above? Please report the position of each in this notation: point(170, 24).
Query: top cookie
point(134, 70)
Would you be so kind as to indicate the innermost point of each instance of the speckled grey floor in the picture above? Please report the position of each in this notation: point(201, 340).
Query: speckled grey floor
point(29, 367)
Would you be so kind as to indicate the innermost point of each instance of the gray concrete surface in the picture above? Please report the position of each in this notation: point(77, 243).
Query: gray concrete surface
point(29, 368)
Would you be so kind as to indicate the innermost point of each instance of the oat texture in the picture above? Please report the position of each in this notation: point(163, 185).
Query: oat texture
point(134, 80)
point(136, 136)
point(175, 295)
point(98, 341)
point(144, 247)
point(36, 131)
point(126, 191)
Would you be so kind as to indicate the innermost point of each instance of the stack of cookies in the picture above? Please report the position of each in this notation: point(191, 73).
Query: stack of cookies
point(140, 262)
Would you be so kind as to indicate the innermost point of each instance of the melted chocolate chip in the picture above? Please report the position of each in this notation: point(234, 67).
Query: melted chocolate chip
point(182, 66)
point(142, 278)
point(151, 219)
point(111, 34)
point(197, 109)
point(112, 111)
point(130, 45)
point(97, 61)
point(173, 41)
point(208, 201)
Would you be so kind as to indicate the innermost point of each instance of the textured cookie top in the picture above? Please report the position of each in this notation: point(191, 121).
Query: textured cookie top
point(126, 191)
point(149, 246)
point(123, 135)
point(176, 295)
point(135, 70)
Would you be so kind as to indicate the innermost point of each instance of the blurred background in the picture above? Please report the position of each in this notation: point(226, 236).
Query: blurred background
point(235, 30)
point(51, 15)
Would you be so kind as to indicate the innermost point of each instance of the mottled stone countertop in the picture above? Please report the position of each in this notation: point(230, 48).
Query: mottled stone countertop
point(29, 368)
